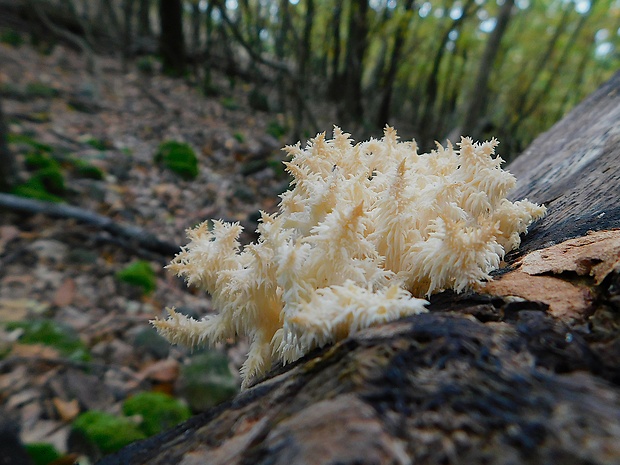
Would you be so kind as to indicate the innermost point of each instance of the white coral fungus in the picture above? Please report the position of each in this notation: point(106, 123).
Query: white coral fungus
point(364, 232)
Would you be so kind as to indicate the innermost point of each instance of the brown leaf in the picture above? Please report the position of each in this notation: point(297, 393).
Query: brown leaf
point(39, 351)
point(162, 371)
point(67, 410)
point(14, 309)
point(7, 234)
point(65, 293)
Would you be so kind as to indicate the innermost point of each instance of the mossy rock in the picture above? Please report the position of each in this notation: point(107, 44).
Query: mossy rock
point(207, 380)
point(275, 129)
point(99, 144)
point(107, 432)
point(37, 160)
point(40, 90)
point(46, 184)
point(11, 37)
point(28, 140)
point(178, 157)
point(35, 191)
point(51, 178)
point(139, 273)
point(50, 333)
point(83, 169)
point(42, 453)
point(158, 411)
point(229, 103)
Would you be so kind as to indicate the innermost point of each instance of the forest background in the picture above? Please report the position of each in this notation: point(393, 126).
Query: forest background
point(93, 94)
point(436, 69)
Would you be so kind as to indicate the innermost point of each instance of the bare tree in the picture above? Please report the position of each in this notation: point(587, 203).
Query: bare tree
point(479, 96)
point(171, 40)
point(8, 165)
point(352, 109)
point(383, 114)
point(144, 18)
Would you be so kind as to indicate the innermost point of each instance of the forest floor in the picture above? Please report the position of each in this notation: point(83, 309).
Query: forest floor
point(65, 271)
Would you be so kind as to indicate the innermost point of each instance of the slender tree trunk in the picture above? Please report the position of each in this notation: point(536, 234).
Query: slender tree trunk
point(285, 18)
point(144, 19)
point(196, 25)
point(172, 42)
point(8, 165)
point(383, 115)
point(540, 96)
point(334, 85)
point(429, 116)
point(128, 9)
point(302, 66)
point(352, 108)
point(533, 76)
point(207, 84)
point(479, 96)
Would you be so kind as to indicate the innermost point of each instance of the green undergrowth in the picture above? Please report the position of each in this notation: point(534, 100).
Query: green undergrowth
point(144, 415)
point(53, 334)
point(48, 170)
point(178, 157)
point(140, 274)
point(206, 380)
point(29, 91)
point(11, 37)
point(105, 431)
point(157, 411)
point(42, 453)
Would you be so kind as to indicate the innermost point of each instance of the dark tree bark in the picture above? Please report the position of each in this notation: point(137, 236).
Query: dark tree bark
point(171, 40)
point(8, 164)
point(481, 378)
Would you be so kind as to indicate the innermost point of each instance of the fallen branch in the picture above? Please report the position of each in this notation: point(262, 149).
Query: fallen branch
point(136, 235)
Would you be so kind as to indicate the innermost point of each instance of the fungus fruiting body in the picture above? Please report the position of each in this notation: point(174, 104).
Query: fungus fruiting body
point(365, 233)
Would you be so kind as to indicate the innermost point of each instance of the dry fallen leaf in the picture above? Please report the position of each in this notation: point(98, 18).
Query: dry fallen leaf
point(67, 410)
point(65, 293)
point(7, 234)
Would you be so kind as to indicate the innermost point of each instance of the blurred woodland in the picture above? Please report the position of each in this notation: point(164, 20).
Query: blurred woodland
point(125, 122)
point(435, 69)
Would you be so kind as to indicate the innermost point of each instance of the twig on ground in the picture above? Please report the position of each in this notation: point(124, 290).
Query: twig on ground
point(137, 236)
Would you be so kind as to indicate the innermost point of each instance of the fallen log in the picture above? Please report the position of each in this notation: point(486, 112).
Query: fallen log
point(526, 370)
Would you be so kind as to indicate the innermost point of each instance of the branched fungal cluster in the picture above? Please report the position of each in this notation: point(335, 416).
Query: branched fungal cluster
point(366, 232)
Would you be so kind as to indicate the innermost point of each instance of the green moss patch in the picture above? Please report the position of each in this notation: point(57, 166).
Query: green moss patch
point(139, 273)
point(178, 157)
point(42, 453)
point(53, 334)
point(207, 380)
point(157, 410)
point(107, 432)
